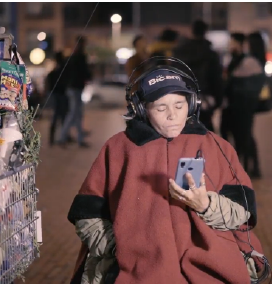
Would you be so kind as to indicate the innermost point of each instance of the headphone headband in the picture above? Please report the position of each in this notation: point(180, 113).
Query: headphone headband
point(135, 106)
point(166, 68)
point(162, 58)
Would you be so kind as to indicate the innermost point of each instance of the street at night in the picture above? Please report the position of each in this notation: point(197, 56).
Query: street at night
point(62, 171)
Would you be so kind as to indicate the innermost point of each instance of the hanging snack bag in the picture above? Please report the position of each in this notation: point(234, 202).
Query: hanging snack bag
point(13, 86)
point(26, 85)
point(29, 87)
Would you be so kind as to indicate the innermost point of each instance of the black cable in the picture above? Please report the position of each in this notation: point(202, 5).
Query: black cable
point(267, 269)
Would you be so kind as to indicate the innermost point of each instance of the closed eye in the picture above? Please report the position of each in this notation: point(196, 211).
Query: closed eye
point(161, 109)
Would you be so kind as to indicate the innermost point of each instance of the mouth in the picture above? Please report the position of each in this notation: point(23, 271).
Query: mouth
point(173, 126)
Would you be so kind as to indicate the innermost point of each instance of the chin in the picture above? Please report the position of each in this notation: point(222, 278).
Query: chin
point(173, 134)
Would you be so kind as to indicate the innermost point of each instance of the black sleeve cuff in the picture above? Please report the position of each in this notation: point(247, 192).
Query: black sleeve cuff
point(236, 193)
point(88, 207)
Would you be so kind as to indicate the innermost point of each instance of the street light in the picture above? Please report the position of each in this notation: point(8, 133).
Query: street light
point(116, 18)
point(116, 28)
point(37, 56)
point(41, 36)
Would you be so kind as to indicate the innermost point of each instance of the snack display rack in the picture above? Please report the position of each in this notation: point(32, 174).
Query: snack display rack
point(20, 222)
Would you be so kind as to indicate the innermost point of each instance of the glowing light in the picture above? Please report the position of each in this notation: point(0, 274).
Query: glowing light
point(123, 54)
point(116, 18)
point(37, 56)
point(268, 68)
point(41, 36)
point(87, 93)
point(2, 30)
point(43, 45)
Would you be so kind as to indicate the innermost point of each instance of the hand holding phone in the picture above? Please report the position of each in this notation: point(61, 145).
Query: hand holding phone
point(194, 166)
point(195, 197)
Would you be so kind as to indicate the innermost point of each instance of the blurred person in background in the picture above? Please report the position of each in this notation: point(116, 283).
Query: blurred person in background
point(255, 45)
point(205, 63)
point(167, 41)
point(246, 79)
point(78, 75)
point(59, 96)
point(36, 99)
point(140, 46)
point(236, 50)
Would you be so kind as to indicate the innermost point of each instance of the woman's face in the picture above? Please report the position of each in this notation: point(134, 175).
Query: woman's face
point(168, 114)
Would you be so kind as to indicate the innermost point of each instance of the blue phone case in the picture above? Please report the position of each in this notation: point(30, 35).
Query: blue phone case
point(191, 165)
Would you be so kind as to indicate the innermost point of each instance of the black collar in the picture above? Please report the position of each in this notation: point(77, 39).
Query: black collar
point(141, 133)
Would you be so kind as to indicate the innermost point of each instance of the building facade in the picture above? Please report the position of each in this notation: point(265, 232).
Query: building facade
point(249, 17)
point(36, 17)
point(8, 17)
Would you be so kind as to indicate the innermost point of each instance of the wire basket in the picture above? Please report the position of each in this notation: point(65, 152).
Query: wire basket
point(18, 223)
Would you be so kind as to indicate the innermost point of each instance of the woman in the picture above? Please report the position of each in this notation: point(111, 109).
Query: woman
point(256, 47)
point(244, 85)
point(61, 104)
point(137, 225)
point(257, 50)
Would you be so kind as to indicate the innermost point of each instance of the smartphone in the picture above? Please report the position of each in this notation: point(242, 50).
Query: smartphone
point(2, 49)
point(191, 165)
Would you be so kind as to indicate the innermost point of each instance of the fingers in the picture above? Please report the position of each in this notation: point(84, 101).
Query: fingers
point(202, 180)
point(177, 191)
point(191, 181)
point(176, 196)
point(173, 184)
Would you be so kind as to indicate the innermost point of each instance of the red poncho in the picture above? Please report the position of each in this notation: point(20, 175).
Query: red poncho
point(158, 240)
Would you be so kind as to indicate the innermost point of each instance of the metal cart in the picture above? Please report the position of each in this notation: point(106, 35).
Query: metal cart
point(18, 223)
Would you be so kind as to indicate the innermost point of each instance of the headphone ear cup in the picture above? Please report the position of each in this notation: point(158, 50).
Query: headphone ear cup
point(191, 104)
point(138, 107)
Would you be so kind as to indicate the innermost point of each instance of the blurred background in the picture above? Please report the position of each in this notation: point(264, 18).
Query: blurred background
point(54, 27)
point(47, 34)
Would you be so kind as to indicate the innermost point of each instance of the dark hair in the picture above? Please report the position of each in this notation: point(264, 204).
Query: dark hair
point(199, 28)
point(59, 58)
point(168, 35)
point(239, 37)
point(81, 41)
point(136, 39)
point(257, 47)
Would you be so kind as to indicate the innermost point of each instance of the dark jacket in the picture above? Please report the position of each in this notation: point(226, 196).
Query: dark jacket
point(78, 70)
point(205, 64)
point(57, 80)
point(244, 85)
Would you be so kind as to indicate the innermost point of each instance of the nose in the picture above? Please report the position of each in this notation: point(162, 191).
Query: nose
point(172, 114)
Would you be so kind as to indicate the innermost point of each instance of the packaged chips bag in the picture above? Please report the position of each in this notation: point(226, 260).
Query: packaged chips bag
point(13, 86)
point(29, 86)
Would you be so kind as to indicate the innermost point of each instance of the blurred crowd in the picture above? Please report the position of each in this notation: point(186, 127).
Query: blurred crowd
point(66, 82)
point(239, 90)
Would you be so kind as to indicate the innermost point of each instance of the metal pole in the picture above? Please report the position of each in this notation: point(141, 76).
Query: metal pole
point(207, 12)
point(136, 12)
point(116, 33)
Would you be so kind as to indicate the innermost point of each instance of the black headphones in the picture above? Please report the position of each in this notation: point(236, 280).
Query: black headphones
point(135, 105)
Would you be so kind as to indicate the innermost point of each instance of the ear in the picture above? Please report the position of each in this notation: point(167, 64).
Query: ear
point(146, 107)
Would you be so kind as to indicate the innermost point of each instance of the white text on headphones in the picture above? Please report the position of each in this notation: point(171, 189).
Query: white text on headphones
point(161, 78)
